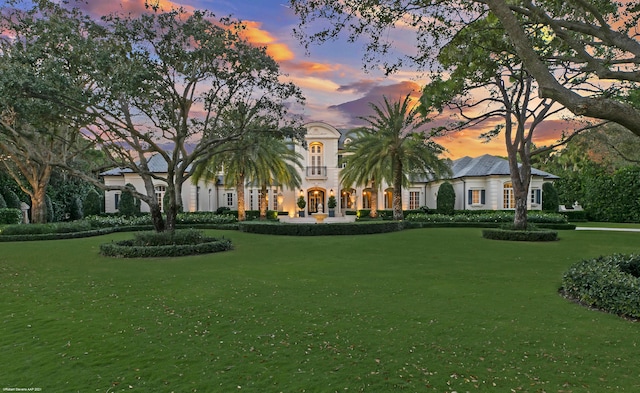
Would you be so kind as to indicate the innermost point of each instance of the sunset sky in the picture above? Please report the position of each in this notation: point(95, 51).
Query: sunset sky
point(331, 76)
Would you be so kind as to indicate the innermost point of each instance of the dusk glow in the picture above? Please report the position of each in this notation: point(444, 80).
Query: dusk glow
point(331, 76)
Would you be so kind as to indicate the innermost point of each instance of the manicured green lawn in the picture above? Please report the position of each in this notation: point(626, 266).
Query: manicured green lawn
point(429, 310)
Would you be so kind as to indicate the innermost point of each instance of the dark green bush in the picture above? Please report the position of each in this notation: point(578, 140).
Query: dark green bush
point(166, 244)
point(609, 283)
point(75, 209)
point(550, 199)
point(576, 215)
point(50, 213)
point(58, 227)
point(527, 236)
point(446, 199)
point(10, 216)
point(11, 199)
point(92, 204)
point(129, 205)
point(3, 203)
point(223, 210)
point(273, 228)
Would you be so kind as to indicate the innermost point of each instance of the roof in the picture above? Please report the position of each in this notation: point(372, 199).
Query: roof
point(156, 163)
point(488, 165)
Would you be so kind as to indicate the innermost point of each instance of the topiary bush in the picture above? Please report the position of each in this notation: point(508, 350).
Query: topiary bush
point(10, 216)
point(550, 200)
point(37, 229)
point(360, 228)
point(446, 199)
point(92, 204)
point(50, 213)
point(609, 283)
point(129, 205)
point(11, 199)
point(75, 209)
point(165, 244)
point(532, 234)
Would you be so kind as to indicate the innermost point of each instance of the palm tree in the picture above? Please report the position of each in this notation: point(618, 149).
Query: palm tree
point(391, 147)
point(257, 157)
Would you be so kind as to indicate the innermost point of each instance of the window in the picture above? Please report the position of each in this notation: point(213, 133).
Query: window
point(388, 198)
point(414, 200)
point(117, 198)
point(160, 191)
point(536, 196)
point(250, 199)
point(476, 197)
point(366, 200)
point(508, 199)
point(197, 198)
point(229, 199)
point(316, 158)
point(274, 193)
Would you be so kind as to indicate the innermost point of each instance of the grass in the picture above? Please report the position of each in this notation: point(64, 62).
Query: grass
point(425, 310)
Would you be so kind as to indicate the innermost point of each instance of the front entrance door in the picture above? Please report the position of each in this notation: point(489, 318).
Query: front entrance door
point(316, 197)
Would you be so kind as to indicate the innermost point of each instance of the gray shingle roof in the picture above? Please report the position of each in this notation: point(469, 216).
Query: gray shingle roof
point(156, 163)
point(488, 165)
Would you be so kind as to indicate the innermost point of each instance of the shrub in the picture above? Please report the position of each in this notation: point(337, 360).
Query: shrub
point(576, 215)
point(11, 199)
point(487, 216)
point(50, 214)
point(36, 229)
point(92, 204)
point(550, 200)
point(222, 210)
point(10, 216)
point(75, 209)
point(272, 228)
point(609, 283)
point(3, 203)
point(129, 206)
point(527, 236)
point(165, 244)
point(446, 199)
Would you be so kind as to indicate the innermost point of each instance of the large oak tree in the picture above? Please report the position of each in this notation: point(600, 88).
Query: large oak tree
point(156, 84)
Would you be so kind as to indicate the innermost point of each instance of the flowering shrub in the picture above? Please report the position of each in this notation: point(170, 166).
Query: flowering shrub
point(498, 216)
point(182, 218)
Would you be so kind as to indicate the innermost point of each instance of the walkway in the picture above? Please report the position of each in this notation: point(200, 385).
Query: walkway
point(607, 229)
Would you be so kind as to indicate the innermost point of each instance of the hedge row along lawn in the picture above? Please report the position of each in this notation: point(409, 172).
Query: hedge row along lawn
point(422, 310)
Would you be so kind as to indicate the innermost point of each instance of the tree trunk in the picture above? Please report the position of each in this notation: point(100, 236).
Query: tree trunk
point(374, 200)
point(39, 205)
point(520, 216)
point(156, 217)
point(397, 192)
point(263, 202)
point(240, 191)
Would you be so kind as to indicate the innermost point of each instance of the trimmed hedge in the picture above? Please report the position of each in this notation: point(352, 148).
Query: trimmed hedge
point(10, 216)
point(489, 216)
point(526, 236)
point(37, 229)
point(153, 244)
point(609, 283)
point(363, 228)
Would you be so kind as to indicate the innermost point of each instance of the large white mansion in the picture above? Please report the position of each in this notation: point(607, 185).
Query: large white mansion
point(480, 183)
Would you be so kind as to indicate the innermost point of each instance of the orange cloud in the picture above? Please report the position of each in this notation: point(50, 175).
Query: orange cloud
point(256, 35)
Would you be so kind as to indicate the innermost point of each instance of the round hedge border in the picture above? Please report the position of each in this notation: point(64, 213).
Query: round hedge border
point(539, 235)
point(608, 283)
point(127, 249)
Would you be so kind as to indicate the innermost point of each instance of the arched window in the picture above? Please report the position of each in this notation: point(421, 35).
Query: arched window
point(508, 199)
point(316, 158)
